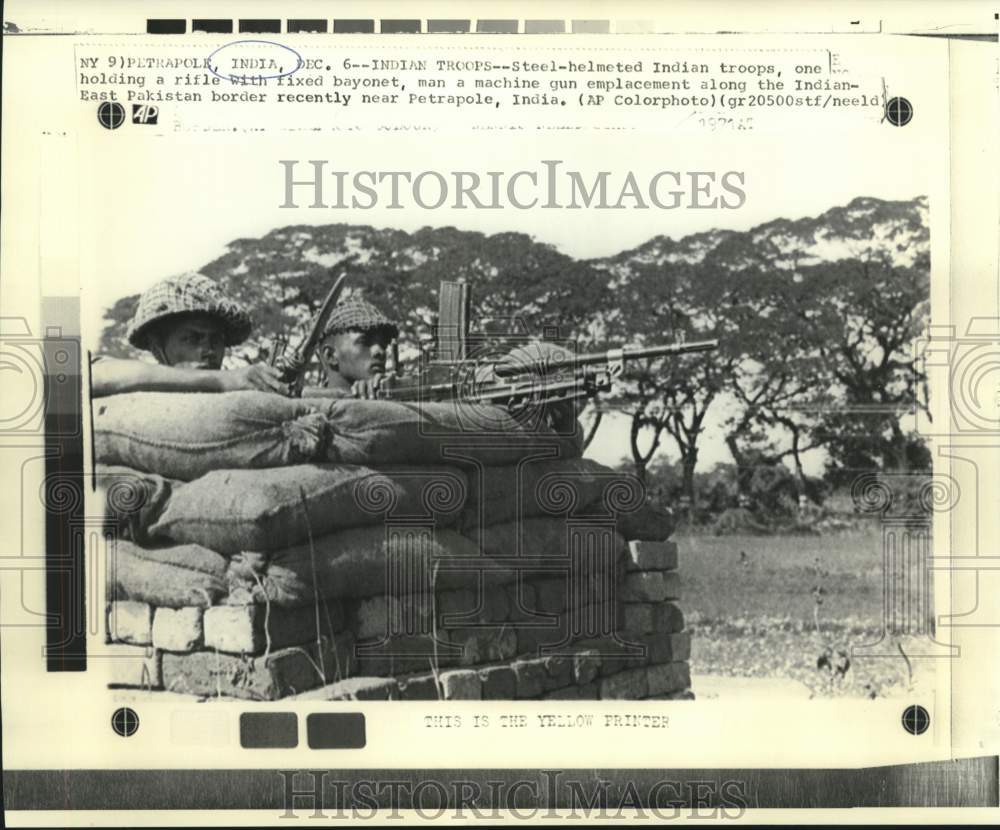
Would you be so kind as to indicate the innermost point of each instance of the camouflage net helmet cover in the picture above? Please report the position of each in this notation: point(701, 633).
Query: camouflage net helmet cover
point(360, 315)
point(190, 293)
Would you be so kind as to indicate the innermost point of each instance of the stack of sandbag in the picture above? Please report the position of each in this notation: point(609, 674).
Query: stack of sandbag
point(268, 546)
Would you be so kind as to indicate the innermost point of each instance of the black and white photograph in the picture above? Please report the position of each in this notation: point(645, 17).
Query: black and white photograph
point(360, 462)
point(565, 413)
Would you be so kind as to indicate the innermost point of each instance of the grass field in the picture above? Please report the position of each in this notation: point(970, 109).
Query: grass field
point(757, 615)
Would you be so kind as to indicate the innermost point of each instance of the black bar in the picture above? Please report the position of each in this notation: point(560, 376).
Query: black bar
point(166, 27)
point(497, 27)
point(440, 26)
point(354, 27)
point(966, 782)
point(221, 27)
point(269, 730)
point(396, 27)
point(295, 26)
point(335, 730)
point(260, 27)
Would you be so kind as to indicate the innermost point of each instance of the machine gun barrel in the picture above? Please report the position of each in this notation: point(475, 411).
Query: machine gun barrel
point(509, 368)
point(556, 378)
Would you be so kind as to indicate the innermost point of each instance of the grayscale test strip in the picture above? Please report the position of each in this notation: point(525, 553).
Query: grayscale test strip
point(180, 26)
point(65, 534)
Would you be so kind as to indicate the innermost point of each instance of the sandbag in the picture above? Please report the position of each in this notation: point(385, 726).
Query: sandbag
point(575, 487)
point(392, 432)
point(237, 510)
point(132, 499)
point(185, 435)
point(542, 538)
point(350, 564)
point(172, 577)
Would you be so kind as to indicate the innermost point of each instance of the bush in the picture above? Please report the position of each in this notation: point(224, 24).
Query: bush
point(738, 521)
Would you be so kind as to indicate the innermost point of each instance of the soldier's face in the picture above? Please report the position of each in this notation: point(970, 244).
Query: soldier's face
point(192, 341)
point(357, 355)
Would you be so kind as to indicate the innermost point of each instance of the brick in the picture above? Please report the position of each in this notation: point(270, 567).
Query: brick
point(651, 586)
point(531, 678)
point(586, 666)
point(283, 672)
point(559, 670)
point(404, 655)
point(658, 647)
point(461, 685)
point(484, 645)
point(651, 556)
point(129, 665)
point(586, 692)
point(244, 629)
point(613, 664)
point(683, 694)
point(530, 640)
point(421, 687)
point(354, 688)
point(672, 647)
point(639, 616)
point(611, 656)
point(599, 618)
point(566, 693)
point(631, 684)
point(668, 677)
point(178, 629)
point(650, 617)
point(130, 622)
point(669, 617)
point(364, 688)
point(499, 683)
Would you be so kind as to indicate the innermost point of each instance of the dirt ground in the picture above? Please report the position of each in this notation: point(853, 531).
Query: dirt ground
point(804, 609)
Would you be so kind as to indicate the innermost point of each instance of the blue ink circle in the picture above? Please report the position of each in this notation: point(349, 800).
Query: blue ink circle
point(233, 76)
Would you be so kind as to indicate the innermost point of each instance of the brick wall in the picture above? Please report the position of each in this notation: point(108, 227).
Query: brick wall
point(542, 635)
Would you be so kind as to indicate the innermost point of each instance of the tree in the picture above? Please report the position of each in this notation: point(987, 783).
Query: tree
point(672, 396)
point(864, 334)
point(283, 276)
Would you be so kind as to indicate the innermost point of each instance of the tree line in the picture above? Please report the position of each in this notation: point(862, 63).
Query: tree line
point(816, 319)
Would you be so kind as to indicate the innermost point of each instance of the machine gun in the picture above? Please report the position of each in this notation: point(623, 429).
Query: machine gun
point(534, 375)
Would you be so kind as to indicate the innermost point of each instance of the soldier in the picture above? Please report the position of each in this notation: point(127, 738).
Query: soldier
point(355, 347)
point(186, 323)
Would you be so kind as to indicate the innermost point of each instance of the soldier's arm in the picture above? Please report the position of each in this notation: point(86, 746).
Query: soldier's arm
point(112, 376)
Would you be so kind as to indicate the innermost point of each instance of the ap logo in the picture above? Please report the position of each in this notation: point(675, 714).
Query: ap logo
point(144, 114)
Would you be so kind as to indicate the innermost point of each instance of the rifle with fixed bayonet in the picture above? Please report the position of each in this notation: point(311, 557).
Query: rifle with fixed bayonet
point(293, 364)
